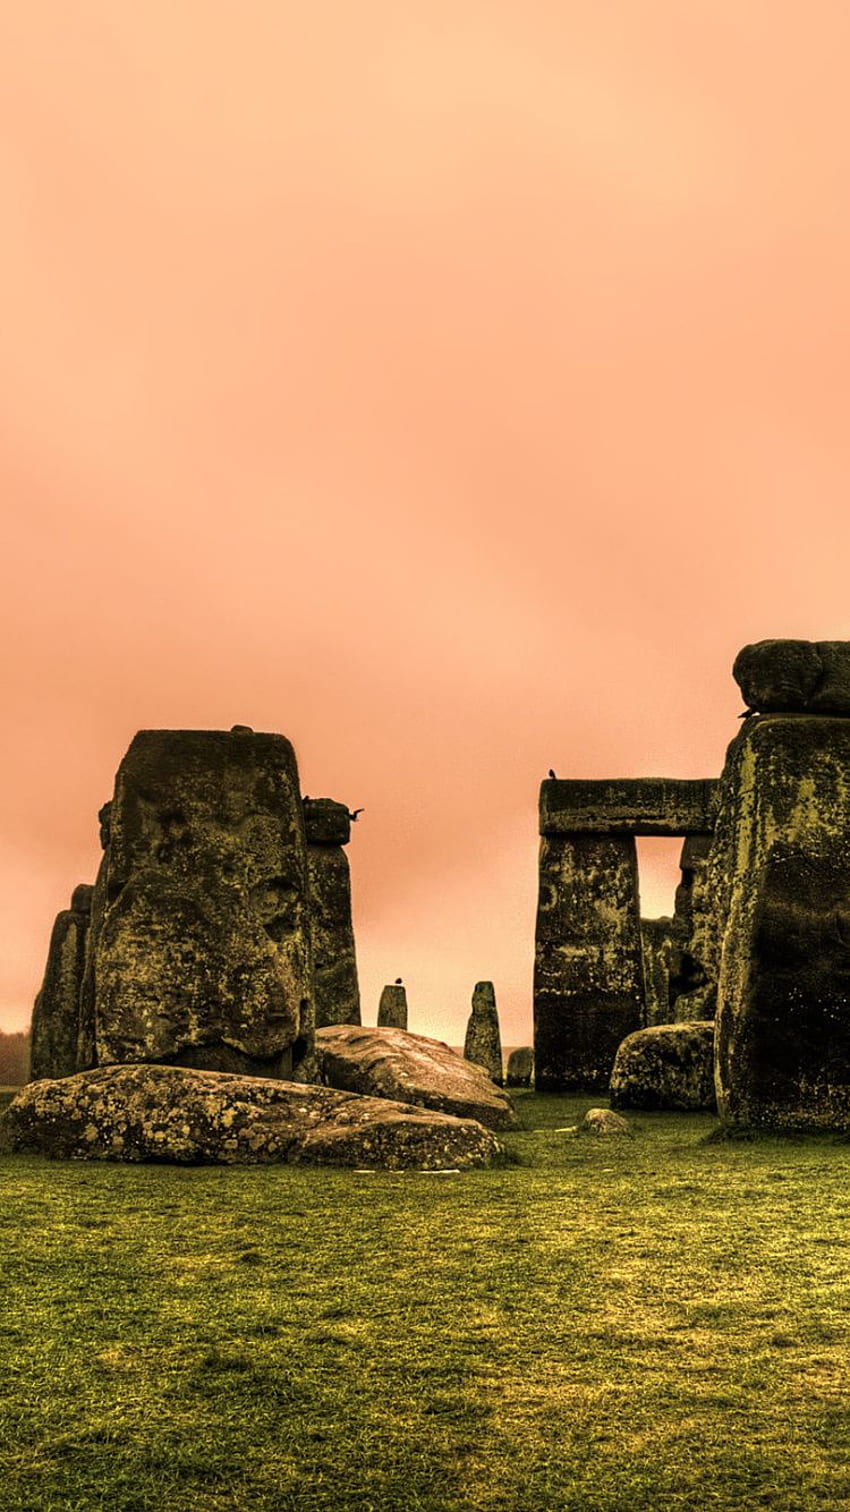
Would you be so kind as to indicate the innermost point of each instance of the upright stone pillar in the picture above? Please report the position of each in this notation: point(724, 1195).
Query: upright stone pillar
point(56, 1014)
point(392, 1009)
point(202, 954)
point(483, 1045)
point(692, 995)
point(588, 973)
point(336, 989)
point(780, 871)
point(657, 945)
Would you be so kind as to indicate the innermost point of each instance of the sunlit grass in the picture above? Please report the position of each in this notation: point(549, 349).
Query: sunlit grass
point(647, 1323)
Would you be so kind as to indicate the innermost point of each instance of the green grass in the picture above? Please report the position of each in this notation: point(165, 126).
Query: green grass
point(601, 1326)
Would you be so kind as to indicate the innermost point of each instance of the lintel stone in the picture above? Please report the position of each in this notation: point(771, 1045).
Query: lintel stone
point(628, 806)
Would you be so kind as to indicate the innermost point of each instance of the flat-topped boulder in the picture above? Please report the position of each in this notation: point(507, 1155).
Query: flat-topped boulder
point(410, 1068)
point(175, 1115)
point(670, 1066)
point(795, 676)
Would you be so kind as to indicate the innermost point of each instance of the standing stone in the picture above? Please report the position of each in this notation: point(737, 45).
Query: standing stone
point(780, 869)
point(483, 1044)
point(692, 995)
point(336, 989)
point(520, 1067)
point(588, 976)
point(657, 946)
point(56, 1014)
point(201, 956)
point(392, 1009)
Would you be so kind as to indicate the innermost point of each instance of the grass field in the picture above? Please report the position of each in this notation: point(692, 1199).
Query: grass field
point(648, 1323)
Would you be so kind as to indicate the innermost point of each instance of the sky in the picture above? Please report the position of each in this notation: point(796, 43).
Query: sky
point(452, 386)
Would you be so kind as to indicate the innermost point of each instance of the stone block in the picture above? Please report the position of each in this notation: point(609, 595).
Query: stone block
point(628, 806)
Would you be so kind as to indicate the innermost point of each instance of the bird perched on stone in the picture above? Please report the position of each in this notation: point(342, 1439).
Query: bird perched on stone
point(397, 982)
point(353, 814)
point(552, 774)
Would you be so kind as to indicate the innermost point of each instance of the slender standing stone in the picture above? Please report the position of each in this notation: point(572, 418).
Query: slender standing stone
point(337, 993)
point(483, 1044)
point(202, 954)
point(588, 977)
point(392, 1009)
point(56, 1014)
point(657, 945)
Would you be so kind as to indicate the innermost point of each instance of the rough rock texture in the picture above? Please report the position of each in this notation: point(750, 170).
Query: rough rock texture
point(795, 676)
point(392, 1009)
point(168, 1113)
point(588, 974)
point(335, 986)
point(628, 806)
point(520, 1067)
point(201, 950)
point(691, 994)
point(601, 1121)
point(483, 1043)
point(410, 1068)
point(780, 877)
point(56, 1014)
point(668, 1067)
point(657, 946)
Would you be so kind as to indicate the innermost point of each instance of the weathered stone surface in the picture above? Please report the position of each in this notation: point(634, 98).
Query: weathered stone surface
point(588, 976)
point(410, 1068)
point(780, 870)
point(690, 993)
point(628, 806)
point(326, 822)
point(392, 1009)
point(657, 946)
point(603, 1123)
point(56, 1013)
point(795, 676)
point(668, 1067)
point(483, 1044)
point(520, 1067)
point(335, 984)
point(168, 1113)
point(202, 954)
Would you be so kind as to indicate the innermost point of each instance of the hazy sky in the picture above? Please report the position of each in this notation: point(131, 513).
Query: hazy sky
point(450, 385)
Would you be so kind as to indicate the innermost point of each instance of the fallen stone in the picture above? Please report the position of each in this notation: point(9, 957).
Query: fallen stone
point(483, 1044)
point(187, 1117)
point(795, 676)
point(670, 1066)
point(520, 1067)
point(601, 1121)
point(410, 1068)
point(392, 1008)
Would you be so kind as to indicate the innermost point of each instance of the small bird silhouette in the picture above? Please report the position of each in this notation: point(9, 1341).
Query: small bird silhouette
point(748, 714)
point(397, 982)
point(552, 774)
point(353, 814)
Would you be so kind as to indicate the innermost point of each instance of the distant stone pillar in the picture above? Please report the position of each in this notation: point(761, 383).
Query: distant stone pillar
point(588, 974)
point(780, 869)
point(520, 1067)
point(201, 956)
point(392, 1009)
point(483, 1044)
point(657, 945)
point(56, 1013)
point(336, 989)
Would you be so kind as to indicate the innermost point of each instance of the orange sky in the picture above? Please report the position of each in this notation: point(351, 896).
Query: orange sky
point(450, 385)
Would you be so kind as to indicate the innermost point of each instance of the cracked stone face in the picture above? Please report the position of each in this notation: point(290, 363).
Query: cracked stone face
point(202, 953)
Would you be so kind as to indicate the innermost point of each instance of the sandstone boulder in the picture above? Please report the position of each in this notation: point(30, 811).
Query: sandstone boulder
point(603, 1123)
point(793, 676)
point(409, 1068)
point(201, 954)
point(670, 1066)
point(188, 1117)
point(483, 1044)
point(520, 1067)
